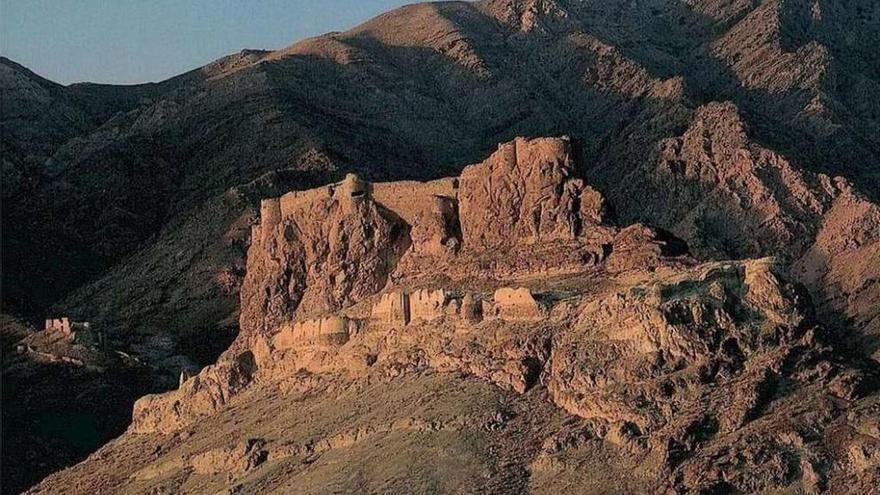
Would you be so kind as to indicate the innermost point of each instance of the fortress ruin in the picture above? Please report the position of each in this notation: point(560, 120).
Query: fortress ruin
point(523, 200)
point(330, 330)
point(399, 309)
point(61, 325)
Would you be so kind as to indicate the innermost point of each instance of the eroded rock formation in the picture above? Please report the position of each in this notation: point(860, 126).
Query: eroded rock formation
point(316, 251)
point(728, 196)
point(525, 192)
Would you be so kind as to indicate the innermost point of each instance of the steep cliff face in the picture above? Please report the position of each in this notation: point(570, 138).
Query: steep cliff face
point(315, 253)
point(525, 192)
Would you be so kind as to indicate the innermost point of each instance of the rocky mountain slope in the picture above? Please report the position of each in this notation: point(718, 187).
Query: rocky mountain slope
point(747, 129)
point(383, 309)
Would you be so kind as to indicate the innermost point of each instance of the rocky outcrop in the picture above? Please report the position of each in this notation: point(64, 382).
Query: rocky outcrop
point(236, 460)
point(730, 197)
point(674, 365)
point(320, 250)
point(316, 252)
point(617, 360)
point(525, 192)
point(638, 247)
point(318, 255)
point(200, 396)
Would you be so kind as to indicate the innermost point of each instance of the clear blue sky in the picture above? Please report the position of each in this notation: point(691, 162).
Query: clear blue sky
point(132, 41)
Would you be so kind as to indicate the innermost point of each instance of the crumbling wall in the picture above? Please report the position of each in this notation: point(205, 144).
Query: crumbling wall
point(427, 304)
point(61, 325)
point(346, 192)
point(350, 192)
point(471, 309)
point(334, 330)
point(398, 309)
point(392, 309)
point(295, 201)
point(409, 199)
point(516, 304)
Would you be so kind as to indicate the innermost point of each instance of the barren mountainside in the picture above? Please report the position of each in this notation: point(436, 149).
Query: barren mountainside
point(504, 246)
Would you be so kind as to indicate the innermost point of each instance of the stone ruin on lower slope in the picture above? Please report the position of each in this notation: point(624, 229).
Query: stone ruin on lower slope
point(81, 332)
point(398, 309)
point(61, 325)
point(334, 330)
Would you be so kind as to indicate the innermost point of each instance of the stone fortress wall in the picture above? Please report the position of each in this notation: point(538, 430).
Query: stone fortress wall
point(67, 326)
point(428, 304)
point(412, 199)
point(517, 304)
point(392, 310)
point(298, 203)
point(524, 193)
point(398, 309)
point(61, 325)
point(401, 308)
point(80, 332)
point(334, 330)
